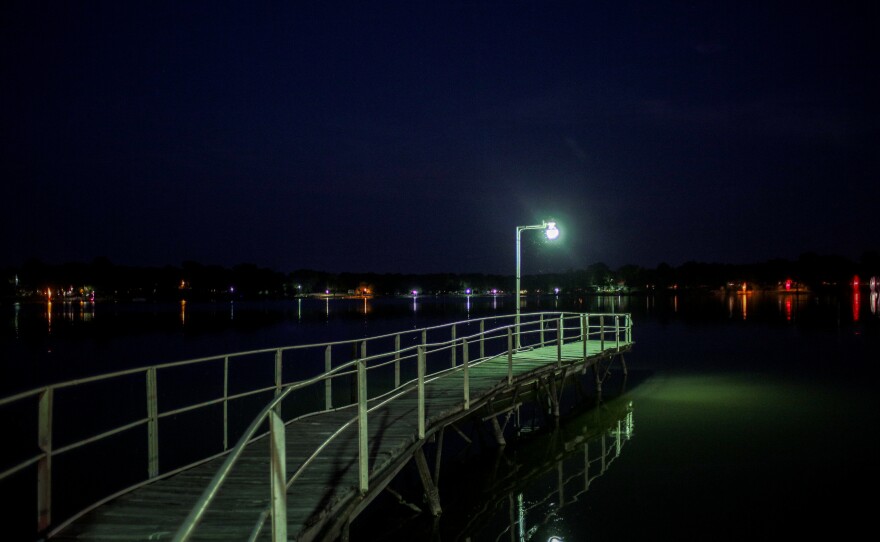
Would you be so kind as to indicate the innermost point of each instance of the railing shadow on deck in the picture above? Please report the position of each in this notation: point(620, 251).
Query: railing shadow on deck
point(238, 398)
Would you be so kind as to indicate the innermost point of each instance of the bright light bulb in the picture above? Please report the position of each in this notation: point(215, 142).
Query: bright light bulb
point(551, 231)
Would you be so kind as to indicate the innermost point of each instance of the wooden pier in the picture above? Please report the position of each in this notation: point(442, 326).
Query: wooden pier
point(309, 476)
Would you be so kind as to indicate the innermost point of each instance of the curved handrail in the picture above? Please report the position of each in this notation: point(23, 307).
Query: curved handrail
point(532, 325)
point(196, 515)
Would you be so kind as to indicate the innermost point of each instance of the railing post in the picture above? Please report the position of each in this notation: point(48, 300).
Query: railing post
point(465, 364)
point(397, 360)
point(362, 356)
point(44, 465)
point(629, 329)
point(225, 402)
point(453, 345)
point(509, 357)
point(152, 424)
point(363, 436)
point(561, 336)
point(559, 340)
point(278, 477)
point(421, 388)
point(279, 379)
point(617, 330)
point(517, 323)
point(482, 339)
point(541, 329)
point(602, 333)
point(328, 382)
point(584, 333)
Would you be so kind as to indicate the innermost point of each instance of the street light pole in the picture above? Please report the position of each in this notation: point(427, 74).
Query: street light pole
point(551, 232)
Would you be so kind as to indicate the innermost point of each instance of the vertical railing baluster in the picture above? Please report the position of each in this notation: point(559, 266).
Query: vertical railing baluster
point(465, 364)
point(152, 424)
point(363, 437)
point(453, 345)
point(482, 339)
point(363, 351)
point(328, 382)
point(226, 402)
point(617, 330)
point(629, 329)
point(584, 333)
point(541, 329)
point(44, 465)
point(421, 390)
point(509, 357)
point(560, 338)
point(278, 476)
point(602, 333)
point(279, 379)
point(397, 360)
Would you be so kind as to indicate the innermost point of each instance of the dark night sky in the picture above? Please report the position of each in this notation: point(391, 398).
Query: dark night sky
point(414, 137)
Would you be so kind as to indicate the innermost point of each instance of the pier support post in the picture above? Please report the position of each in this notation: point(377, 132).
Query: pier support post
point(554, 396)
point(437, 459)
point(431, 493)
point(497, 430)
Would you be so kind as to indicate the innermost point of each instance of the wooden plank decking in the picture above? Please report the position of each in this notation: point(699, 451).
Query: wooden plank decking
point(326, 494)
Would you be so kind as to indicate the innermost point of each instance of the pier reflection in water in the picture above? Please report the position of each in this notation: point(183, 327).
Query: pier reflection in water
point(540, 482)
point(524, 491)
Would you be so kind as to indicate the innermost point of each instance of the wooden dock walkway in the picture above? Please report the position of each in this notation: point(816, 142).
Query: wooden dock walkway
point(326, 496)
point(313, 458)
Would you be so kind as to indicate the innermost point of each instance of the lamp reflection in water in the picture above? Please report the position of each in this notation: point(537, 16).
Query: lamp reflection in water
point(547, 473)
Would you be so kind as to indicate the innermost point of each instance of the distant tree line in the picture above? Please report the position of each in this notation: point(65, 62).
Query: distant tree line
point(193, 280)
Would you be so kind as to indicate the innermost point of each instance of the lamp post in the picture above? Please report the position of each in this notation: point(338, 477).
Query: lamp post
point(551, 232)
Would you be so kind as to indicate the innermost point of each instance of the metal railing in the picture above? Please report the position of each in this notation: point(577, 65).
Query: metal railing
point(411, 358)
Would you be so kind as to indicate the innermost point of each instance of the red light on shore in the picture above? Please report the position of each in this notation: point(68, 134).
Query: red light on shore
point(855, 281)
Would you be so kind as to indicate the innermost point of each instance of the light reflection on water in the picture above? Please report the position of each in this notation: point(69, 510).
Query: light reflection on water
point(108, 334)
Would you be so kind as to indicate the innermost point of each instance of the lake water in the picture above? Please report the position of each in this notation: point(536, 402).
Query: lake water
point(753, 417)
